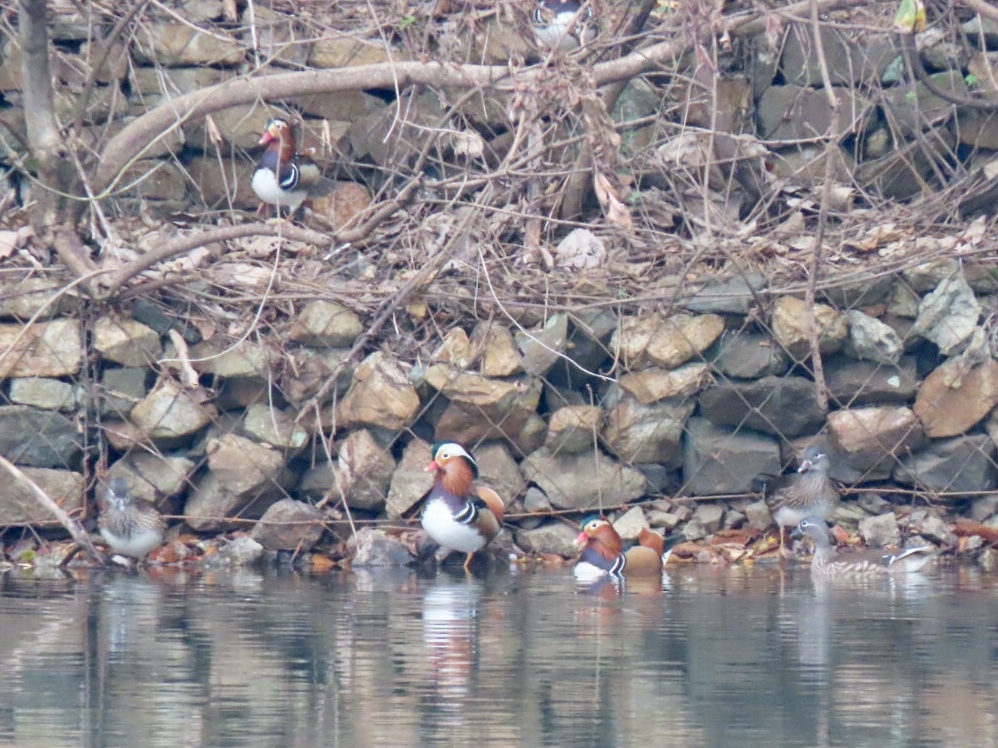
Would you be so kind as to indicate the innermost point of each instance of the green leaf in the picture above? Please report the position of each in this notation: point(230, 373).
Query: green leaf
point(910, 17)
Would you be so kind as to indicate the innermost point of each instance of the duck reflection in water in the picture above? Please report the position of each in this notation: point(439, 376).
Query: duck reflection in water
point(450, 638)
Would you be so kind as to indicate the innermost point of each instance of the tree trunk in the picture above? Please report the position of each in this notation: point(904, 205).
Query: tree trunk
point(57, 186)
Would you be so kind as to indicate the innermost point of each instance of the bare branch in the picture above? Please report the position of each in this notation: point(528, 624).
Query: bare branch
point(831, 146)
point(72, 527)
point(104, 50)
point(128, 143)
point(199, 239)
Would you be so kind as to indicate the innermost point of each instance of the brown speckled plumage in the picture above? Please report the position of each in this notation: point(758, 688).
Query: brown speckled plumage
point(808, 492)
point(828, 563)
point(130, 527)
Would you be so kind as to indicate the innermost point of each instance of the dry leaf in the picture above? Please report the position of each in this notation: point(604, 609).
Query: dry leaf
point(214, 134)
point(581, 249)
point(469, 144)
point(8, 243)
point(194, 259)
point(876, 237)
point(688, 150)
point(418, 310)
point(976, 231)
point(242, 274)
point(320, 563)
point(614, 208)
point(188, 377)
point(259, 246)
point(207, 328)
point(804, 243)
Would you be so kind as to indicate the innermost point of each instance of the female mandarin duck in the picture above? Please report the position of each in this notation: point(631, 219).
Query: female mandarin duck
point(602, 553)
point(563, 25)
point(282, 178)
point(458, 514)
point(826, 563)
point(130, 527)
point(808, 492)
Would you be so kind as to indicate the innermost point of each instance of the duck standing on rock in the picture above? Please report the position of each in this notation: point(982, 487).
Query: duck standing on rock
point(602, 554)
point(282, 177)
point(808, 492)
point(458, 514)
point(131, 528)
point(827, 563)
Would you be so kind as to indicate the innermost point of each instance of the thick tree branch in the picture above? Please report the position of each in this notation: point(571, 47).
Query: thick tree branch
point(43, 130)
point(186, 243)
point(55, 172)
point(127, 144)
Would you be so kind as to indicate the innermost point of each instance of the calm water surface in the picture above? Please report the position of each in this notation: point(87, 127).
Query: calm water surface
point(718, 657)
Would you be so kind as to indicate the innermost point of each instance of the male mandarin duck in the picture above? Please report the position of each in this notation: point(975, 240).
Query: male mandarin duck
point(808, 492)
point(603, 554)
point(282, 178)
point(458, 514)
point(827, 563)
point(130, 527)
point(564, 25)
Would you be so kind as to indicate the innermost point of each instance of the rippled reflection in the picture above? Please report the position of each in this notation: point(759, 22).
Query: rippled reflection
point(713, 657)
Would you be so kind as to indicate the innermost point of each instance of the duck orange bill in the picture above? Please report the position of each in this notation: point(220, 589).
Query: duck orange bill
point(266, 138)
point(432, 466)
point(582, 539)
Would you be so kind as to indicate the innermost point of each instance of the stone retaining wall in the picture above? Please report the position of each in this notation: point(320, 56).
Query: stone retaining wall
point(673, 412)
point(675, 408)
